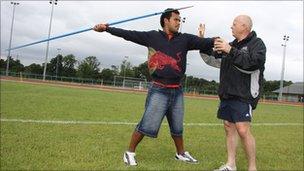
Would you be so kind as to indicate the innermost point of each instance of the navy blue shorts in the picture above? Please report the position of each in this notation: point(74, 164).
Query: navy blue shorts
point(234, 111)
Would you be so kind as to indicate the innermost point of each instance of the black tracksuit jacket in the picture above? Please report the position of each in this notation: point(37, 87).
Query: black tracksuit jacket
point(241, 73)
point(166, 57)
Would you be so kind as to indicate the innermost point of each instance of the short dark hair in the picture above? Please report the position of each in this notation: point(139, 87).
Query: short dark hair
point(167, 14)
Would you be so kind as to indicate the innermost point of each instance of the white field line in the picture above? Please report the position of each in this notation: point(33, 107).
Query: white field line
point(131, 123)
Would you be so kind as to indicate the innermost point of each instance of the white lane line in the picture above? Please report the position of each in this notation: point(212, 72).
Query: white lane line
point(131, 123)
point(67, 122)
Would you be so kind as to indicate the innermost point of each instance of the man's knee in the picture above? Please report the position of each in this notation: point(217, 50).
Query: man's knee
point(229, 127)
point(243, 133)
point(243, 129)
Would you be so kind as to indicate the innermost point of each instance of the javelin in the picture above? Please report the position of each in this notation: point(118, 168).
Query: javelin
point(91, 28)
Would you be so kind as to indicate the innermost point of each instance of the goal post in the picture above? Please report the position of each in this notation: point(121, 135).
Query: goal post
point(130, 82)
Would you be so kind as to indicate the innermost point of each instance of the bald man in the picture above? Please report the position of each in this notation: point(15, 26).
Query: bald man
point(241, 64)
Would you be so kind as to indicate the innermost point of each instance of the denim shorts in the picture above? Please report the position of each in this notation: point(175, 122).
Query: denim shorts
point(234, 111)
point(162, 102)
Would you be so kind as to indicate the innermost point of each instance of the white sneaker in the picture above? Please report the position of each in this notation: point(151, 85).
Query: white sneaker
point(129, 158)
point(226, 167)
point(186, 157)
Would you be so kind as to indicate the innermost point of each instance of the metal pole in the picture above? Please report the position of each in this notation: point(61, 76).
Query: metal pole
point(123, 84)
point(182, 23)
point(10, 41)
point(58, 49)
point(286, 38)
point(186, 79)
point(48, 43)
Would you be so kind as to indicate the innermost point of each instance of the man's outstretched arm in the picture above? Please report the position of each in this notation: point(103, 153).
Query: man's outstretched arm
point(138, 37)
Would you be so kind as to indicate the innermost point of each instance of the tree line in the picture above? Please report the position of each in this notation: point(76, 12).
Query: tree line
point(89, 67)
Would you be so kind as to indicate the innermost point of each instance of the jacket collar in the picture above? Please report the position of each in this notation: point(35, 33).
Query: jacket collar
point(250, 36)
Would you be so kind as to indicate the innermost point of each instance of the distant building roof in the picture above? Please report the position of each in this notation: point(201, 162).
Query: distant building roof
point(296, 88)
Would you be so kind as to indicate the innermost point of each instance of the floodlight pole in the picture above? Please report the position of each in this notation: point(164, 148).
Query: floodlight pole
point(53, 2)
point(58, 49)
point(285, 38)
point(123, 83)
point(11, 35)
point(186, 79)
point(182, 23)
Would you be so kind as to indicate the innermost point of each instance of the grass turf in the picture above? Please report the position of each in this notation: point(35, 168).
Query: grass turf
point(35, 146)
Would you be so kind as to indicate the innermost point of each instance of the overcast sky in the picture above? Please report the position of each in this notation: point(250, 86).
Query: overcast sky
point(271, 20)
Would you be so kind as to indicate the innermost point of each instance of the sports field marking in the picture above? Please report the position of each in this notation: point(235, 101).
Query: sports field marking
point(131, 123)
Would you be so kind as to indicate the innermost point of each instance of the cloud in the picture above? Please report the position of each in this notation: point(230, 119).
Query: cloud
point(272, 20)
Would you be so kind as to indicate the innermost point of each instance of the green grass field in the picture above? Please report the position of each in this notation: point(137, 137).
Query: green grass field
point(97, 146)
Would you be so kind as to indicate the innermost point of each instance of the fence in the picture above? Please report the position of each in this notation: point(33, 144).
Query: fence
point(127, 82)
point(137, 83)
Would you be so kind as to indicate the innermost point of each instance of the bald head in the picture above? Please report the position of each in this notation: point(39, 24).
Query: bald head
point(246, 20)
point(241, 27)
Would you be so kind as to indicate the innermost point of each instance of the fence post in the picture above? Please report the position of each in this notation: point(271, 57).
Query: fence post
point(21, 76)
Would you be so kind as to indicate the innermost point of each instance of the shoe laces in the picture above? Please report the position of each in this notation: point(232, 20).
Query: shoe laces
point(187, 155)
point(226, 167)
point(131, 157)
